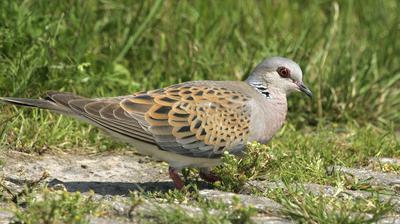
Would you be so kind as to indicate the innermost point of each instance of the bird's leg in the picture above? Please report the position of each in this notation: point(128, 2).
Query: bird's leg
point(173, 173)
point(207, 175)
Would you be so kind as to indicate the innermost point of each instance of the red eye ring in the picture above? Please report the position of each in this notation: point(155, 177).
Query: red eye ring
point(283, 72)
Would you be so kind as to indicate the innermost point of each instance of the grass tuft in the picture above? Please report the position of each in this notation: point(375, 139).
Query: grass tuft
point(55, 207)
point(210, 212)
point(235, 172)
point(306, 207)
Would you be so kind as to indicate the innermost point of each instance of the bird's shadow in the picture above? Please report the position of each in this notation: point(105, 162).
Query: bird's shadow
point(119, 188)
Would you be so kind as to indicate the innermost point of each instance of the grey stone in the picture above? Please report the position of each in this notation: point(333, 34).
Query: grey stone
point(104, 174)
point(122, 206)
point(148, 207)
point(260, 203)
point(373, 177)
point(384, 160)
point(103, 220)
point(390, 220)
point(5, 216)
point(325, 190)
point(271, 220)
point(113, 177)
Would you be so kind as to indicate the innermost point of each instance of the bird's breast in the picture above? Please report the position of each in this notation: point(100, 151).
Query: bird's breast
point(267, 119)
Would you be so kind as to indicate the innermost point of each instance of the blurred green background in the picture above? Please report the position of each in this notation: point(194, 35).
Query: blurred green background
point(349, 52)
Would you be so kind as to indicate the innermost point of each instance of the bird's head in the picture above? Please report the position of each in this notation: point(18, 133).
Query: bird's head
point(281, 74)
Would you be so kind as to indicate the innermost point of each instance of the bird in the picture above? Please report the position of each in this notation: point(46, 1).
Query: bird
point(190, 124)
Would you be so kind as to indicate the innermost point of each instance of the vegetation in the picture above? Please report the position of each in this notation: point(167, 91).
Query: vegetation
point(55, 207)
point(308, 208)
point(211, 212)
point(348, 50)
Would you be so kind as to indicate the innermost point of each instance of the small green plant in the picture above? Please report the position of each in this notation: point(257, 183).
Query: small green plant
point(387, 167)
point(55, 207)
point(235, 172)
point(211, 212)
point(306, 156)
point(189, 193)
point(240, 213)
point(306, 207)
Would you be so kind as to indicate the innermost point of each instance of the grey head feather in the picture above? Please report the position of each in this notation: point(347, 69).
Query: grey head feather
point(272, 64)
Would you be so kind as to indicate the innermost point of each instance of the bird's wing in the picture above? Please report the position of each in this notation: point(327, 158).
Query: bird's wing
point(105, 113)
point(192, 119)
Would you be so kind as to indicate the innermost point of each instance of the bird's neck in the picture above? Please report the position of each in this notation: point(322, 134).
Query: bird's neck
point(273, 109)
point(262, 88)
point(269, 92)
point(274, 97)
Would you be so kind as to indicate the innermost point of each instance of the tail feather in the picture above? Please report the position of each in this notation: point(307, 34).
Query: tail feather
point(54, 101)
point(89, 110)
point(39, 103)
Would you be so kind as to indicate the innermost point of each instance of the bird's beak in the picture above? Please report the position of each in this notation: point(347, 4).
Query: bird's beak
point(304, 89)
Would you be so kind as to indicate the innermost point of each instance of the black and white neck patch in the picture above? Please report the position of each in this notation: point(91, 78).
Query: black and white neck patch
point(261, 89)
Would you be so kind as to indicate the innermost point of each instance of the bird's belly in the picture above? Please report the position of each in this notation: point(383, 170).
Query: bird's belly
point(175, 160)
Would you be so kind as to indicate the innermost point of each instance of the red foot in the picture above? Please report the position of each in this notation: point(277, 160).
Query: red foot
point(173, 173)
point(208, 176)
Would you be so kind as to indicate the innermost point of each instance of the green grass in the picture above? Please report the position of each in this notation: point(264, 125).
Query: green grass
point(55, 207)
point(305, 156)
point(211, 212)
point(311, 152)
point(348, 50)
point(308, 208)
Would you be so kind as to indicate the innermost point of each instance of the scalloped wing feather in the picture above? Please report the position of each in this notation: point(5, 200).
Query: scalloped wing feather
point(193, 119)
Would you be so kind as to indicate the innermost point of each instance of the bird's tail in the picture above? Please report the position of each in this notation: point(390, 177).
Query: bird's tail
point(55, 101)
point(105, 113)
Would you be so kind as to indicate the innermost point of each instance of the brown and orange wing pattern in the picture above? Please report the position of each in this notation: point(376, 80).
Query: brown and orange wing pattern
point(193, 119)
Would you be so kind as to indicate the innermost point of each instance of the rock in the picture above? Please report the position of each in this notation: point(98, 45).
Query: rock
point(386, 165)
point(262, 204)
point(103, 220)
point(104, 174)
point(390, 220)
point(113, 177)
point(384, 160)
point(148, 208)
point(5, 216)
point(373, 177)
point(325, 190)
point(123, 207)
point(271, 220)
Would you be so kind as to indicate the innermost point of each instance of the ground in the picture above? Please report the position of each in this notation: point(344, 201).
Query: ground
point(125, 187)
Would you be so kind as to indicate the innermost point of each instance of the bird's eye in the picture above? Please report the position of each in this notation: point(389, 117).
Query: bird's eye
point(283, 72)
